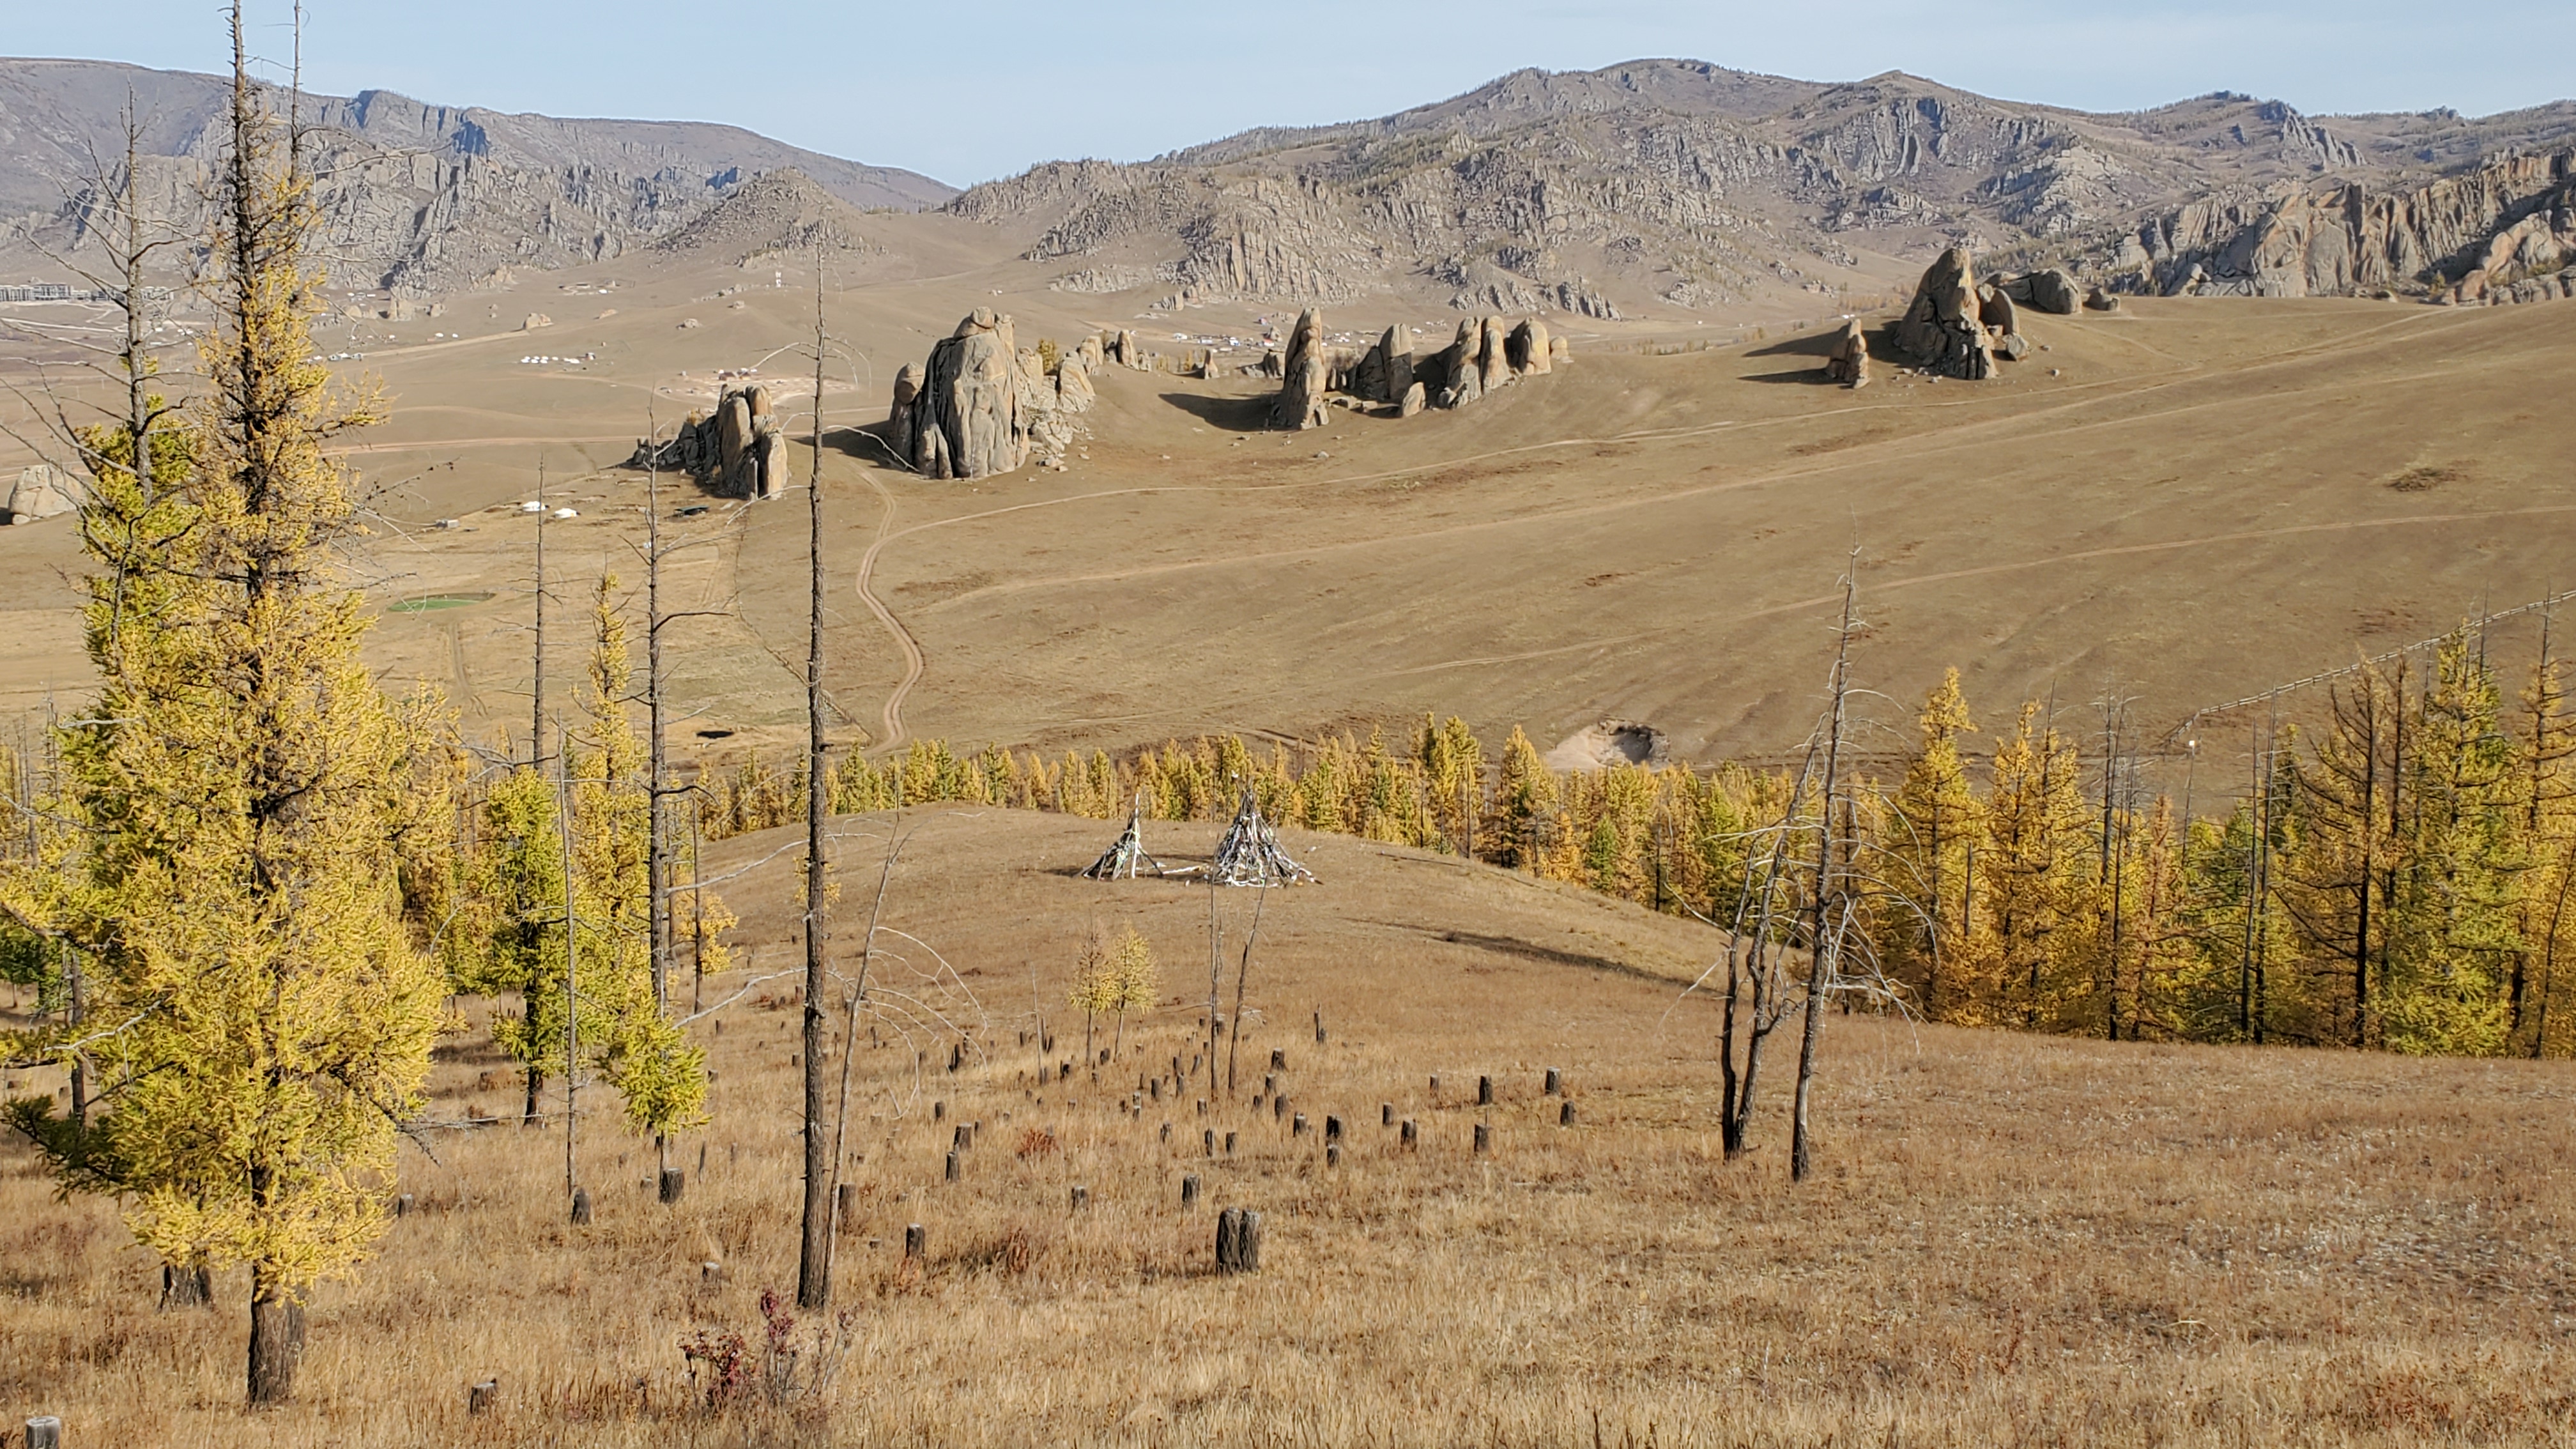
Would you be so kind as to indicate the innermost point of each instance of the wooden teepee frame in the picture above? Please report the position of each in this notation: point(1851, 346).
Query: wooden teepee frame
point(1250, 854)
point(1127, 858)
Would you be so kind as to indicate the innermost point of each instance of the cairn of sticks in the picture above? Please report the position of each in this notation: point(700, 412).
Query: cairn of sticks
point(1127, 859)
point(1249, 855)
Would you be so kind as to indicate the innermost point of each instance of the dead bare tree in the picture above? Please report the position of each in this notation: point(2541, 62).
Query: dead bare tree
point(1830, 903)
point(814, 1267)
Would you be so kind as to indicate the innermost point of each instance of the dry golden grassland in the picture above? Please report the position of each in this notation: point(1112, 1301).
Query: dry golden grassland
point(2012, 1240)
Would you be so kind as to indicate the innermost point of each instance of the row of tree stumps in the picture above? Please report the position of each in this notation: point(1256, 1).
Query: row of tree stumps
point(1238, 1229)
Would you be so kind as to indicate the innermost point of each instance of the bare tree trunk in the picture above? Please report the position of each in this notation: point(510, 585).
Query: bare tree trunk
point(857, 1001)
point(1216, 970)
point(537, 671)
point(571, 989)
point(1823, 960)
point(276, 1339)
point(1243, 972)
point(813, 1274)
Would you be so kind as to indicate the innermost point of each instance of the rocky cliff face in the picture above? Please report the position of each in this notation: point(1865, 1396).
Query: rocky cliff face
point(2509, 218)
point(1676, 183)
point(416, 197)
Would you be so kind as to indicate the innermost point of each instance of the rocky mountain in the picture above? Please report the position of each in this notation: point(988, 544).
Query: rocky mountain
point(1676, 183)
point(419, 197)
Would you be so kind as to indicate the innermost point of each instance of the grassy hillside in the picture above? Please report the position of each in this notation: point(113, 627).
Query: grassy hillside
point(2009, 1239)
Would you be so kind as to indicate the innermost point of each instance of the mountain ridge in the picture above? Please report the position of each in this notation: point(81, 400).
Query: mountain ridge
point(421, 196)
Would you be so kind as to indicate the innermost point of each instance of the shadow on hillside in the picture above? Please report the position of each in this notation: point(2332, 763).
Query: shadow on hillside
point(1816, 346)
point(867, 444)
point(1530, 951)
point(1234, 414)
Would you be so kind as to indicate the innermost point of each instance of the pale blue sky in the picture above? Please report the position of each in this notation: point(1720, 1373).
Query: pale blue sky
point(966, 91)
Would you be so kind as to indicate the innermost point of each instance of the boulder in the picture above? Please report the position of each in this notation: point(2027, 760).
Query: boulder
point(1942, 330)
point(2052, 291)
point(1093, 355)
point(768, 477)
point(42, 491)
point(1559, 352)
point(1848, 363)
point(1527, 348)
point(1495, 354)
point(1395, 363)
point(1305, 375)
point(1073, 390)
point(907, 389)
point(1995, 309)
point(736, 469)
point(2101, 300)
point(1413, 401)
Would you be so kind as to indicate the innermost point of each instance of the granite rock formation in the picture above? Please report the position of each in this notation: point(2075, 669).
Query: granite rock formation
point(42, 491)
point(1305, 376)
point(737, 449)
point(1956, 327)
point(1848, 363)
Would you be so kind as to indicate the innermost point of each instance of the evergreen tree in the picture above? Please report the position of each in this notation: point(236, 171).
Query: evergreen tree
point(2030, 877)
point(1937, 825)
point(1525, 798)
point(261, 1013)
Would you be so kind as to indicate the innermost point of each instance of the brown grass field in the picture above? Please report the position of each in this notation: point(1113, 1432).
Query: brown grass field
point(2011, 1240)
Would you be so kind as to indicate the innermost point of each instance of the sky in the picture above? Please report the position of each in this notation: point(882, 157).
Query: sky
point(966, 92)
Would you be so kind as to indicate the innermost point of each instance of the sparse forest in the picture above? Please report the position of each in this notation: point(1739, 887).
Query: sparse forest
point(2400, 878)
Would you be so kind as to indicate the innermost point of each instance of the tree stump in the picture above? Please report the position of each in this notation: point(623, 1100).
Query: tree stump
point(1435, 1089)
point(1297, 1125)
point(1386, 1114)
point(581, 1207)
point(1046, 1043)
point(844, 1199)
point(1081, 1198)
point(1269, 1084)
point(1555, 1082)
point(1409, 1139)
point(1278, 1059)
point(1484, 1091)
point(671, 1184)
point(1190, 1190)
point(1045, 1073)
point(916, 1242)
point(938, 1111)
point(402, 1206)
point(1238, 1241)
point(480, 1396)
point(1229, 1144)
point(952, 1165)
point(1154, 1089)
point(963, 1138)
point(1319, 1028)
point(1484, 1139)
point(1332, 1130)
point(1207, 1139)
point(1167, 1134)
point(44, 1432)
point(1565, 1113)
point(1278, 1108)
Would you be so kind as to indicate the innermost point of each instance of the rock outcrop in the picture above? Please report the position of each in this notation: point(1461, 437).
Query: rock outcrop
point(1942, 331)
point(2051, 291)
point(737, 450)
point(982, 404)
point(1848, 363)
point(2514, 215)
point(1305, 376)
point(1956, 326)
point(42, 491)
point(2101, 299)
point(966, 421)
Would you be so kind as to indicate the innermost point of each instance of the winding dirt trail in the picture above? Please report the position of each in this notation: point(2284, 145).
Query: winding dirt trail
point(893, 735)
